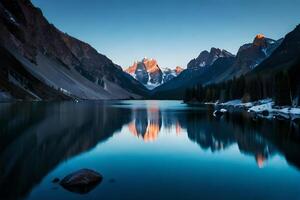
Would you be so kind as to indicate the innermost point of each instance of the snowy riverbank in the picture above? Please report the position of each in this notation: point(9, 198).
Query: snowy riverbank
point(264, 108)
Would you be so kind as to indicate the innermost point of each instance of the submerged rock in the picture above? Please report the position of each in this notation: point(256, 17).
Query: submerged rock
point(55, 180)
point(81, 181)
point(112, 180)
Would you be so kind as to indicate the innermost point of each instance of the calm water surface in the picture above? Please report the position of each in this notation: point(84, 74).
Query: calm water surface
point(146, 150)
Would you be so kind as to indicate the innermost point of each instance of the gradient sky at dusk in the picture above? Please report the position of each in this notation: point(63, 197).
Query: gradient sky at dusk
point(171, 31)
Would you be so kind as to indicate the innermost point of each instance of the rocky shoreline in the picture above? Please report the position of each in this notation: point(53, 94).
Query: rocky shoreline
point(264, 108)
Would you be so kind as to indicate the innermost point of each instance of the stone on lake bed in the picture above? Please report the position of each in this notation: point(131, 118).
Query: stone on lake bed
point(81, 181)
point(55, 180)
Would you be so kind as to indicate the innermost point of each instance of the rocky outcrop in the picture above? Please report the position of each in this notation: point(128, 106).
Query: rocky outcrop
point(81, 181)
point(206, 58)
point(251, 55)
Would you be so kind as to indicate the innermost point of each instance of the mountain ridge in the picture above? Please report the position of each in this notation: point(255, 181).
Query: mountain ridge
point(276, 78)
point(202, 70)
point(57, 60)
point(149, 73)
point(40, 62)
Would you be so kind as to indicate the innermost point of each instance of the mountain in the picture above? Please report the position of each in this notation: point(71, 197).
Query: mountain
point(286, 56)
point(175, 88)
point(150, 74)
point(42, 63)
point(283, 67)
point(169, 74)
point(251, 55)
point(248, 57)
point(217, 66)
point(276, 77)
point(199, 70)
point(208, 58)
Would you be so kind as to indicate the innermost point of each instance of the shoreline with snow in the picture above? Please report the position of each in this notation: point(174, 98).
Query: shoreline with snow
point(265, 108)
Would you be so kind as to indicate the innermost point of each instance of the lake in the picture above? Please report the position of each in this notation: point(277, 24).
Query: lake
point(146, 150)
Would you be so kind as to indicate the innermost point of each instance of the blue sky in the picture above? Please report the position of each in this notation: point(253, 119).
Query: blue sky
point(171, 31)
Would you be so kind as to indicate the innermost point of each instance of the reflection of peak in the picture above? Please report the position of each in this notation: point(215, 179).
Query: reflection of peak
point(178, 128)
point(152, 132)
point(260, 159)
point(146, 124)
point(132, 129)
point(149, 134)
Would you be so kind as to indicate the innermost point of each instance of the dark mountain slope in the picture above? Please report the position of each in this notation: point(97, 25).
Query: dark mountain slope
point(58, 60)
point(249, 56)
point(20, 83)
point(276, 77)
point(287, 55)
point(218, 66)
point(175, 89)
point(206, 58)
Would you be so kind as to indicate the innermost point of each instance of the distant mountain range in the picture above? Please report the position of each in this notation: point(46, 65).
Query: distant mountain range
point(217, 66)
point(150, 74)
point(39, 62)
point(276, 75)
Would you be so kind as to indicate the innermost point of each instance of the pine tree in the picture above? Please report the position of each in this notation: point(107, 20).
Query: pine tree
point(282, 90)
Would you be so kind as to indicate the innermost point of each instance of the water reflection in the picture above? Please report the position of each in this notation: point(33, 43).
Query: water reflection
point(146, 123)
point(36, 137)
point(259, 138)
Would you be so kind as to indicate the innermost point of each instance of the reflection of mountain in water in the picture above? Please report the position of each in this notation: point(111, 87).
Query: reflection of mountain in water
point(146, 123)
point(35, 138)
point(218, 135)
point(260, 138)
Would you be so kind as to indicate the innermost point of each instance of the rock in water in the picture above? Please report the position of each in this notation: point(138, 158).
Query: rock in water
point(55, 180)
point(82, 181)
point(219, 113)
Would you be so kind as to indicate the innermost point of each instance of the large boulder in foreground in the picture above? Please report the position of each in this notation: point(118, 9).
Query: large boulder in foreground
point(81, 181)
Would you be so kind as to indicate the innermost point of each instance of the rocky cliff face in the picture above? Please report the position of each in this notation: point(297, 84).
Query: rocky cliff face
point(150, 74)
point(251, 55)
point(169, 74)
point(206, 58)
point(147, 72)
point(248, 57)
point(67, 65)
